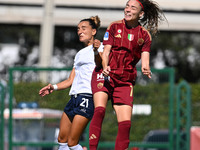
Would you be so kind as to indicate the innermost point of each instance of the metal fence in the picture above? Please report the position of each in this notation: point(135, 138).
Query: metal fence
point(2, 116)
point(140, 139)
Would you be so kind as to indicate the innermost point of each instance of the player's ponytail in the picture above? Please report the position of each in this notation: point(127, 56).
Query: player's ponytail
point(152, 15)
point(96, 21)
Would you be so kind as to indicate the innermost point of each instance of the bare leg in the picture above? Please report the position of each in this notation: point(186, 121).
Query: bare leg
point(65, 127)
point(78, 125)
point(123, 112)
point(100, 99)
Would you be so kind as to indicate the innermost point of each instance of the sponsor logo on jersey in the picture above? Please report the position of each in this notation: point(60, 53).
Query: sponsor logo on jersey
point(100, 77)
point(140, 41)
point(106, 36)
point(130, 37)
point(118, 36)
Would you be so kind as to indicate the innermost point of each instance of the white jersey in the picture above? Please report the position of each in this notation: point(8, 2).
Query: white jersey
point(84, 65)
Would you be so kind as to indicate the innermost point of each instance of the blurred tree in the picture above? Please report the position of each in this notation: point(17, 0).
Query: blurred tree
point(181, 51)
point(26, 36)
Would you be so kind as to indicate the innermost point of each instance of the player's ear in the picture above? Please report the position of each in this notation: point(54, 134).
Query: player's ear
point(141, 15)
point(94, 32)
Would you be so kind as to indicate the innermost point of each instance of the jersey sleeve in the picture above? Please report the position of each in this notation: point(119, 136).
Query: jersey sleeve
point(109, 35)
point(147, 43)
point(75, 60)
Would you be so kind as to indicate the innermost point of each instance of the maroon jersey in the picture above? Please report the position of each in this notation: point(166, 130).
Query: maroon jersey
point(127, 46)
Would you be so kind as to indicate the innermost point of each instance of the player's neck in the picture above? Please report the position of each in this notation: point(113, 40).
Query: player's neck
point(132, 24)
point(89, 42)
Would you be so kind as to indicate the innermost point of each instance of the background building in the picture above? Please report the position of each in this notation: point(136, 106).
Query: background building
point(36, 33)
point(182, 16)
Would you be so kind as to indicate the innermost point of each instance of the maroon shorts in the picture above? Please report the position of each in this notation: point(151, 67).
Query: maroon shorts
point(120, 92)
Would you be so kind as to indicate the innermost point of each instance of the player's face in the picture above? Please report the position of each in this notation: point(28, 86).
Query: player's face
point(85, 32)
point(132, 11)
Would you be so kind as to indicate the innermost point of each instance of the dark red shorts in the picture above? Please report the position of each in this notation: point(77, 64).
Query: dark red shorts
point(120, 92)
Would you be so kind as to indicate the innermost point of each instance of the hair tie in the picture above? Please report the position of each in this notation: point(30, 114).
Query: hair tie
point(140, 4)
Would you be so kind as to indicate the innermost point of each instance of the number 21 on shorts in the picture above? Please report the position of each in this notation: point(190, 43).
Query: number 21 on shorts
point(84, 102)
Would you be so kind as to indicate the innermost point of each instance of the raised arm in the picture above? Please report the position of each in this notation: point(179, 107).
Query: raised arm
point(145, 58)
point(60, 86)
point(97, 54)
point(105, 59)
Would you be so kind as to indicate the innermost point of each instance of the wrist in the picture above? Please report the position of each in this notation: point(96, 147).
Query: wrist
point(55, 87)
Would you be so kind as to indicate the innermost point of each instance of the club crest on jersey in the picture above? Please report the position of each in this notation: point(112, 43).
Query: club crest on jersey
point(140, 41)
point(106, 36)
point(100, 85)
point(130, 37)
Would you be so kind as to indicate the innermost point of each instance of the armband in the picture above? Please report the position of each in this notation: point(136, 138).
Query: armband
point(55, 87)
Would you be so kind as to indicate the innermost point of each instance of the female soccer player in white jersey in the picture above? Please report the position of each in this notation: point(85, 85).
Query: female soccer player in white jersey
point(79, 110)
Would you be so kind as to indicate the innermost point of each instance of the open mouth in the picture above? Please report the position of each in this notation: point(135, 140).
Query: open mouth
point(81, 35)
point(127, 14)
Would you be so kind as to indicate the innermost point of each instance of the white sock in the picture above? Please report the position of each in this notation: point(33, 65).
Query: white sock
point(76, 147)
point(63, 146)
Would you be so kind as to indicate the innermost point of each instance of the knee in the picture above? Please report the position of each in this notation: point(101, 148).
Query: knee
point(62, 138)
point(72, 141)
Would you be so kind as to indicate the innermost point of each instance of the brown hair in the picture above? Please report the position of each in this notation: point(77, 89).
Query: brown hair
point(94, 21)
point(152, 15)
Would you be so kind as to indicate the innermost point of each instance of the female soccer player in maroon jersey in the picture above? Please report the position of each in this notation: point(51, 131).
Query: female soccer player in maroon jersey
point(125, 43)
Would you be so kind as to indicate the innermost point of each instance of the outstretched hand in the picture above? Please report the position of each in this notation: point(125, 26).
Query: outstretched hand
point(46, 90)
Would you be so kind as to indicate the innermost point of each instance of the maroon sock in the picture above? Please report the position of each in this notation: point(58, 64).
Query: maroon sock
point(122, 140)
point(95, 127)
